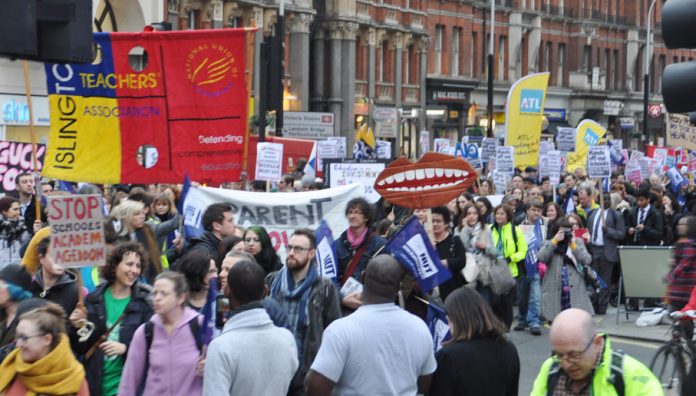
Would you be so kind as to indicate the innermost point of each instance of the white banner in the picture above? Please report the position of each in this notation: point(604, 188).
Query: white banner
point(279, 213)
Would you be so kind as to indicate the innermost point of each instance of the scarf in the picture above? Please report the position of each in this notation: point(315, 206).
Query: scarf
point(284, 290)
point(57, 373)
point(356, 240)
point(11, 230)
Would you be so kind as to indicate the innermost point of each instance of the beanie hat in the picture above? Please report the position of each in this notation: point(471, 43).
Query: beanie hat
point(17, 275)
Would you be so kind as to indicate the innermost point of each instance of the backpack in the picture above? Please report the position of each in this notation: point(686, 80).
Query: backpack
point(615, 377)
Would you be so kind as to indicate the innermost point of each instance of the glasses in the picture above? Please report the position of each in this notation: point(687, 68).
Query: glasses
point(250, 240)
point(572, 357)
point(24, 338)
point(299, 249)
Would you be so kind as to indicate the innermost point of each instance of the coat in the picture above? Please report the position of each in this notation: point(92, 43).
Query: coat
point(552, 283)
point(64, 292)
point(613, 237)
point(515, 254)
point(654, 230)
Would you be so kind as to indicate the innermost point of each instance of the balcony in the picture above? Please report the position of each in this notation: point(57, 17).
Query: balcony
point(385, 91)
point(410, 94)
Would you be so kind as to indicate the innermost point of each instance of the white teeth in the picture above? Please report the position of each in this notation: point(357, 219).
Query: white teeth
point(439, 172)
point(430, 173)
point(410, 175)
point(448, 172)
point(457, 173)
point(399, 177)
point(427, 188)
point(412, 189)
point(420, 174)
point(419, 188)
point(380, 183)
point(389, 180)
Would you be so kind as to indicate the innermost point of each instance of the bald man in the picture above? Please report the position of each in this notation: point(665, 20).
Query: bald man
point(582, 363)
point(378, 349)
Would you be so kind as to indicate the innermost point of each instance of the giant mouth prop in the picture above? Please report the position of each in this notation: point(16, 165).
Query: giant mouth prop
point(434, 180)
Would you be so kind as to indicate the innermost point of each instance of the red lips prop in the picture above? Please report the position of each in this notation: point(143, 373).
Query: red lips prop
point(434, 180)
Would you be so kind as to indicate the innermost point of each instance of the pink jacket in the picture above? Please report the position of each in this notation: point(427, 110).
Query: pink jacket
point(172, 365)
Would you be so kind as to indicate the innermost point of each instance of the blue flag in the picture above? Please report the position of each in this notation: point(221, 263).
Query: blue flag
point(206, 332)
point(413, 249)
point(326, 253)
point(606, 184)
point(569, 204)
point(676, 180)
point(65, 186)
point(437, 323)
point(184, 193)
point(191, 212)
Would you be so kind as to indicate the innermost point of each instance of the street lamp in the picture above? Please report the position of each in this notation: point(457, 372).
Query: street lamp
point(646, 76)
point(490, 72)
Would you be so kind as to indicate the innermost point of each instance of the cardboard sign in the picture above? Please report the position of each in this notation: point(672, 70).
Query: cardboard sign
point(326, 149)
point(565, 139)
point(77, 230)
point(488, 146)
point(269, 161)
point(351, 172)
point(384, 149)
point(15, 158)
point(500, 182)
point(598, 162)
point(555, 165)
point(505, 160)
point(644, 166)
point(442, 145)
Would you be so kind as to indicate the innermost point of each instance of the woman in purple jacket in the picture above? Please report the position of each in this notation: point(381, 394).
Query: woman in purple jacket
point(165, 356)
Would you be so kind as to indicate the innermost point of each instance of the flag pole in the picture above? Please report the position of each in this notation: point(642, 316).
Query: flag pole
point(250, 50)
point(32, 134)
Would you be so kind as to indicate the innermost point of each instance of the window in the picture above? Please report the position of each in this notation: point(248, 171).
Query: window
point(662, 65)
point(607, 69)
point(587, 58)
point(615, 68)
point(561, 63)
point(473, 56)
point(192, 19)
point(582, 8)
point(407, 64)
point(454, 66)
point(501, 58)
point(560, 7)
point(439, 32)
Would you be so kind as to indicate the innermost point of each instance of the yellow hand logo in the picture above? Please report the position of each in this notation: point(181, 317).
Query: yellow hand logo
point(211, 72)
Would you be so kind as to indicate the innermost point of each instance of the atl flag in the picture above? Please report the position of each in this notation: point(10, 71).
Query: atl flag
point(311, 167)
point(436, 320)
point(589, 134)
point(365, 144)
point(209, 309)
point(412, 248)
point(153, 106)
point(326, 254)
point(523, 116)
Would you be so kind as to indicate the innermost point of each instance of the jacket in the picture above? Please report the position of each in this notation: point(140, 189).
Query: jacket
point(138, 311)
point(614, 235)
point(172, 363)
point(250, 357)
point(585, 214)
point(64, 292)
point(654, 229)
point(515, 254)
point(345, 253)
point(207, 243)
point(638, 379)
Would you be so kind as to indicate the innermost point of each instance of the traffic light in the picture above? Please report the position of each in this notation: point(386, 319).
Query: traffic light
point(679, 79)
point(57, 31)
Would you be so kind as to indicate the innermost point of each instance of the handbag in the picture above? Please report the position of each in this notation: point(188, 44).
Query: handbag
point(501, 279)
point(471, 270)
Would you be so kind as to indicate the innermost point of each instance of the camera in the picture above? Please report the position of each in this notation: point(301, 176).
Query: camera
point(567, 236)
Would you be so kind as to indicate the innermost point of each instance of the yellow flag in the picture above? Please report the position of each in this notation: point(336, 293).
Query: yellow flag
point(525, 110)
point(589, 133)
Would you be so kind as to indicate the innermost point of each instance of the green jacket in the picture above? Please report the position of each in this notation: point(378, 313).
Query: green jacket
point(638, 379)
point(509, 245)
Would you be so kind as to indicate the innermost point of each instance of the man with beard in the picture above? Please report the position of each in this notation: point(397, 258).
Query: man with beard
point(310, 301)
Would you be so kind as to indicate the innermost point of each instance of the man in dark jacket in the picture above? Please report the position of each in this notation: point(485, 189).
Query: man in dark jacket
point(647, 224)
point(53, 283)
point(218, 223)
point(27, 203)
point(310, 300)
point(355, 247)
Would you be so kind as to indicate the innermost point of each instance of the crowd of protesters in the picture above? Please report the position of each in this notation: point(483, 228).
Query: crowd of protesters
point(134, 325)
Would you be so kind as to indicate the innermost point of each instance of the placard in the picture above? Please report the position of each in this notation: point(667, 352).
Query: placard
point(326, 149)
point(544, 169)
point(77, 230)
point(644, 164)
point(424, 141)
point(680, 132)
point(615, 147)
point(555, 165)
point(488, 146)
point(632, 173)
point(15, 158)
point(500, 182)
point(386, 122)
point(442, 145)
point(505, 159)
point(384, 149)
point(660, 155)
point(545, 146)
point(269, 161)
point(565, 139)
point(346, 172)
point(598, 162)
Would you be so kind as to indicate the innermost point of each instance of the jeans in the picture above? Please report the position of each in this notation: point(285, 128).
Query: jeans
point(529, 297)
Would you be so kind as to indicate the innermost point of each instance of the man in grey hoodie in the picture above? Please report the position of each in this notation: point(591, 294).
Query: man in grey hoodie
point(252, 356)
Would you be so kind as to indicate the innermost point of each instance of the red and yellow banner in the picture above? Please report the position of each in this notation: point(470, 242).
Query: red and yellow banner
point(153, 106)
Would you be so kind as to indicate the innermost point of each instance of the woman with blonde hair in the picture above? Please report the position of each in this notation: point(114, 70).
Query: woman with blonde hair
point(129, 223)
point(42, 363)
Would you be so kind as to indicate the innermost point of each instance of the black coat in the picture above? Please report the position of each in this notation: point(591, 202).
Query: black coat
point(654, 230)
point(207, 243)
point(63, 293)
point(452, 250)
point(138, 311)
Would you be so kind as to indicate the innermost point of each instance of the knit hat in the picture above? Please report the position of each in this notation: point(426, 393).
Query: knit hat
point(29, 304)
point(17, 275)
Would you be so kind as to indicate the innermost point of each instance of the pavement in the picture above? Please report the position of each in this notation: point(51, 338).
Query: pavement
point(626, 328)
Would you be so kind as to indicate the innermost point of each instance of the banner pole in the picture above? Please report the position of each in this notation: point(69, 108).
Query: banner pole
point(250, 50)
point(32, 134)
point(601, 203)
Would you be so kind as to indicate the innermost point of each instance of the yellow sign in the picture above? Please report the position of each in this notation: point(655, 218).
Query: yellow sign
point(525, 109)
point(589, 134)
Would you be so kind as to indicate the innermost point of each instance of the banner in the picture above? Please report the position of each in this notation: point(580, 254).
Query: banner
point(156, 105)
point(413, 249)
point(279, 213)
point(589, 133)
point(680, 132)
point(15, 158)
point(523, 116)
point(77, 230)
point(327, 264)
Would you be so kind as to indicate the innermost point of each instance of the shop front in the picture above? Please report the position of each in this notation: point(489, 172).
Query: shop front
point(14, 118)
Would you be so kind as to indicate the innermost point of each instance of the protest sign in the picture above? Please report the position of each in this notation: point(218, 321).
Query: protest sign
point(279, 213)
point(384, 149)
point(644, 166)
point(424, 141)
point(505, 160)
point(633, 173)
point(555, 166)
point(500, 182)
point(77, 230)
point(326, 149)
point(15, 158)
point(565, 139)
point(343, 173)
point(386, 122)
point(269, 161)
point(545, 146)
point(598, 162)
point(543, 165)
point(615, 148)
point(488, 148)
point(442, 145)
point(635, 156)
point(680, 132)
point(660, 155)
point(340, 142)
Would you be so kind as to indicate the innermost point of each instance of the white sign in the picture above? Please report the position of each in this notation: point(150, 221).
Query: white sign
point(442, 145)
point(15, 110)
point(326, 149)
point(505, 160)
point(612, 107)
point(308, 125)
point(386, 122)
point(341, 145)
point(566, 139)
point(384, 149)
point(269, 161)
point(488, 146)
point(660, 155)
point(555, 165)
point(363, 173)
point(644, 164)
point(598, 162)
point(543, 165)
point(500, 182)
point(424, 141)
point(77, 230)
point(545, 146)
point(279, 213)
point(595, 77)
